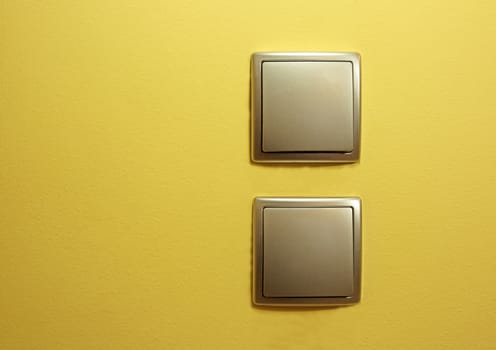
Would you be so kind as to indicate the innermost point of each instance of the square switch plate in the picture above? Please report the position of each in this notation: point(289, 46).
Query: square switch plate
point(305, 107)
point(307, 251)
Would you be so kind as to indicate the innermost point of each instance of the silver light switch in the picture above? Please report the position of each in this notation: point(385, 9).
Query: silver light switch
point(307, 251)
point(305, 107)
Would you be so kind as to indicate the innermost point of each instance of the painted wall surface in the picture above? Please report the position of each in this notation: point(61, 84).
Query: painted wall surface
point(126, 186)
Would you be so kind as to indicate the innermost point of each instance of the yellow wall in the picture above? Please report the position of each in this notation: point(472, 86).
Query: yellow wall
point(126, 185)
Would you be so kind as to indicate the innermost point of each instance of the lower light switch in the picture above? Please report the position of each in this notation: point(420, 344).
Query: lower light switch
point(307, 251)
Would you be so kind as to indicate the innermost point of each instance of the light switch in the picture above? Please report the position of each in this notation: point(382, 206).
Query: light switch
point(307, 251)
point(305, 107)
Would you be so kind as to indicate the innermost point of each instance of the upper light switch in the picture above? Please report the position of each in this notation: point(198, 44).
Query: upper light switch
point(305, 107)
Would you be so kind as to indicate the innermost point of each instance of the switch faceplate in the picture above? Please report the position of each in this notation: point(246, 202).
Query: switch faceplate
point(307, 251)
point(305, 107)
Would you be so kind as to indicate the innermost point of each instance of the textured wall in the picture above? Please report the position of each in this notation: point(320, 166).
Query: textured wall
point(126, 186)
